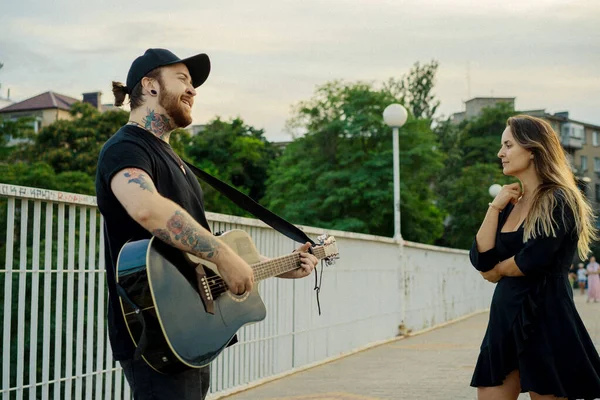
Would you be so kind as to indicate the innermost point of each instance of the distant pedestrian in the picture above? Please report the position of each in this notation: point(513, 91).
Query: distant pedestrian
point(581, 278)
point(535, 341)
point(573, 276)
point(593, 269)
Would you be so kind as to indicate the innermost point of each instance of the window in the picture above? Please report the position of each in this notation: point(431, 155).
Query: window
point(597, 192)
point(583, 163)
point(596, 164)
point(595, 139)
point(577, 131)
point(584, 141)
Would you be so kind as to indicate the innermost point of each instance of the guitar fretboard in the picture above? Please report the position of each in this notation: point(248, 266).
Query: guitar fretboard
point(281, 265)
point(267, 269)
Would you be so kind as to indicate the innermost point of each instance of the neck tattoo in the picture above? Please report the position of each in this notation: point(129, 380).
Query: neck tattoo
point(158, 124)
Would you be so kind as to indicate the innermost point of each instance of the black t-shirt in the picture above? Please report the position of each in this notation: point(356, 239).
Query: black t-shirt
point(134, 147)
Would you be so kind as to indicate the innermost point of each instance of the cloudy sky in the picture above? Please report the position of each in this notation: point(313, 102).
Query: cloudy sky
point(269, 55)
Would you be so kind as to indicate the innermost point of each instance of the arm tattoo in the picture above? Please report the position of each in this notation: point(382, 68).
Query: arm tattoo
point(159, 124)
point(163, 235)
point(182, 229)
point(137, 176)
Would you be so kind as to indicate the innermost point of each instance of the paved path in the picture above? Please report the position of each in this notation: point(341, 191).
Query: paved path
point(433, 365)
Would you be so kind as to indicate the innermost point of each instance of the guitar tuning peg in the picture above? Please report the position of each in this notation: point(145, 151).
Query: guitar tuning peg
point(322, 238)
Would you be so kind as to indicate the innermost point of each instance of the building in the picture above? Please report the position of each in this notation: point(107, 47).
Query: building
point(48, 107)
point(281, 145)
point(474, 107)
point(44, 108)
point(195, 129)
point(581, 141)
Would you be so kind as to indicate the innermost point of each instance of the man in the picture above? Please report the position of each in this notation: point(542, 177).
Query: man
point(144, 189)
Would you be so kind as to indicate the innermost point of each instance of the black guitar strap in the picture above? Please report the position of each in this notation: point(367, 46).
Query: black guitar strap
point(246, 203)
point(268, 217)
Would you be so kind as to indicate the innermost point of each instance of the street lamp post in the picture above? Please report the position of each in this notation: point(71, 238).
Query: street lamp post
point(494, 190)
point(395, 116)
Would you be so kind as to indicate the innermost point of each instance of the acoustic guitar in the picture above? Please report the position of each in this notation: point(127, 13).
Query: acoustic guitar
point(179, 311)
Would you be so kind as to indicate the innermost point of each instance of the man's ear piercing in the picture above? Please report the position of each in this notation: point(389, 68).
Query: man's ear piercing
point(531, 156)
point(154, 92)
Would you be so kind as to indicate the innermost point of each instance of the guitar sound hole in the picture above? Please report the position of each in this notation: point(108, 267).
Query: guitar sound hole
point(238, 297)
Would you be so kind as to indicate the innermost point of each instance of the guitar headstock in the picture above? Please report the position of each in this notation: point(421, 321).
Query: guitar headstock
point(329, 247)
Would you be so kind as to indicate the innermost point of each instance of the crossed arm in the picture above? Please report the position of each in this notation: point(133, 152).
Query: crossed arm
point(504, 268)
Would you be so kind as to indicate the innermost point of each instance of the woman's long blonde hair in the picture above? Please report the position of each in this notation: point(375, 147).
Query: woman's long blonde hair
point(552, 166)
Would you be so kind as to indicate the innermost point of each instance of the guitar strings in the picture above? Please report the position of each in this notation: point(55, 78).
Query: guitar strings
point(218, 286)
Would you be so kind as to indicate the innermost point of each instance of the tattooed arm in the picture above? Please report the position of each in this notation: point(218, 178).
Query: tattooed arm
point(169, 222)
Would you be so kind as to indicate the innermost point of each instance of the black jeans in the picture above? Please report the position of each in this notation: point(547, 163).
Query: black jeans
point(147, 384)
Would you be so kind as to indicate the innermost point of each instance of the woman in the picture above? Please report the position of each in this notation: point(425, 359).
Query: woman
point(526, 243)
point(593, 269)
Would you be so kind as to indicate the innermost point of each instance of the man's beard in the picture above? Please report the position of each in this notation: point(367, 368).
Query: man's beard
point(174, 108)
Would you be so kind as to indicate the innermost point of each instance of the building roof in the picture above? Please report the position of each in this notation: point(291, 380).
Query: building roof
point(47, 100)
point(565, 118)
point(491, 98)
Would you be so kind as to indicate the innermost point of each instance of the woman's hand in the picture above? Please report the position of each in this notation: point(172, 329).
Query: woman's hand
point(508, 194)
point(493, 275)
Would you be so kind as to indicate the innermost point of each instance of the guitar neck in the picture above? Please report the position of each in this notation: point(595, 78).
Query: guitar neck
point(281, 265)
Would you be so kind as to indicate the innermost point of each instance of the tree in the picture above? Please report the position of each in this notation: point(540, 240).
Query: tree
point(74, 145)
point(236, 153)
point(467, 202)
point(480, 135)
point(470, 167)
point(41, 175)
point(415, 89)
point(339, 175)
point(21, 128)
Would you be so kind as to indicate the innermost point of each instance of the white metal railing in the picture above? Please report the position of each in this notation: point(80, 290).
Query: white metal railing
point(54, 341)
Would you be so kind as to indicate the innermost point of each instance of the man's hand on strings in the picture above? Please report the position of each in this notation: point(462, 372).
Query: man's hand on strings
point(308, 262)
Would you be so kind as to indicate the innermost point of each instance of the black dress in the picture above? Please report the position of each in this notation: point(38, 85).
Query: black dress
point(534, 326)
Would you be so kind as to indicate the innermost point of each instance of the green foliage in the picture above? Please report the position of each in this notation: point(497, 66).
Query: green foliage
point(180, 140)
point(41, 175)
point(236, 153)
point(467, 202)
point(415, 90)
point(340, 174)
point(471, 167)
point(480, 137)
point(74, 145)
point(21, 128)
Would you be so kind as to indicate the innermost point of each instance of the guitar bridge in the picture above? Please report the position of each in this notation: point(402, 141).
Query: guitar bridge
point(204, 290)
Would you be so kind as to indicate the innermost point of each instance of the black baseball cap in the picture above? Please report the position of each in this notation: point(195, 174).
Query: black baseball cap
point(198, 65)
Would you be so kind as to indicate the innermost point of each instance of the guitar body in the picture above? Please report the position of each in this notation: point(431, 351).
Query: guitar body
point(162, 282)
